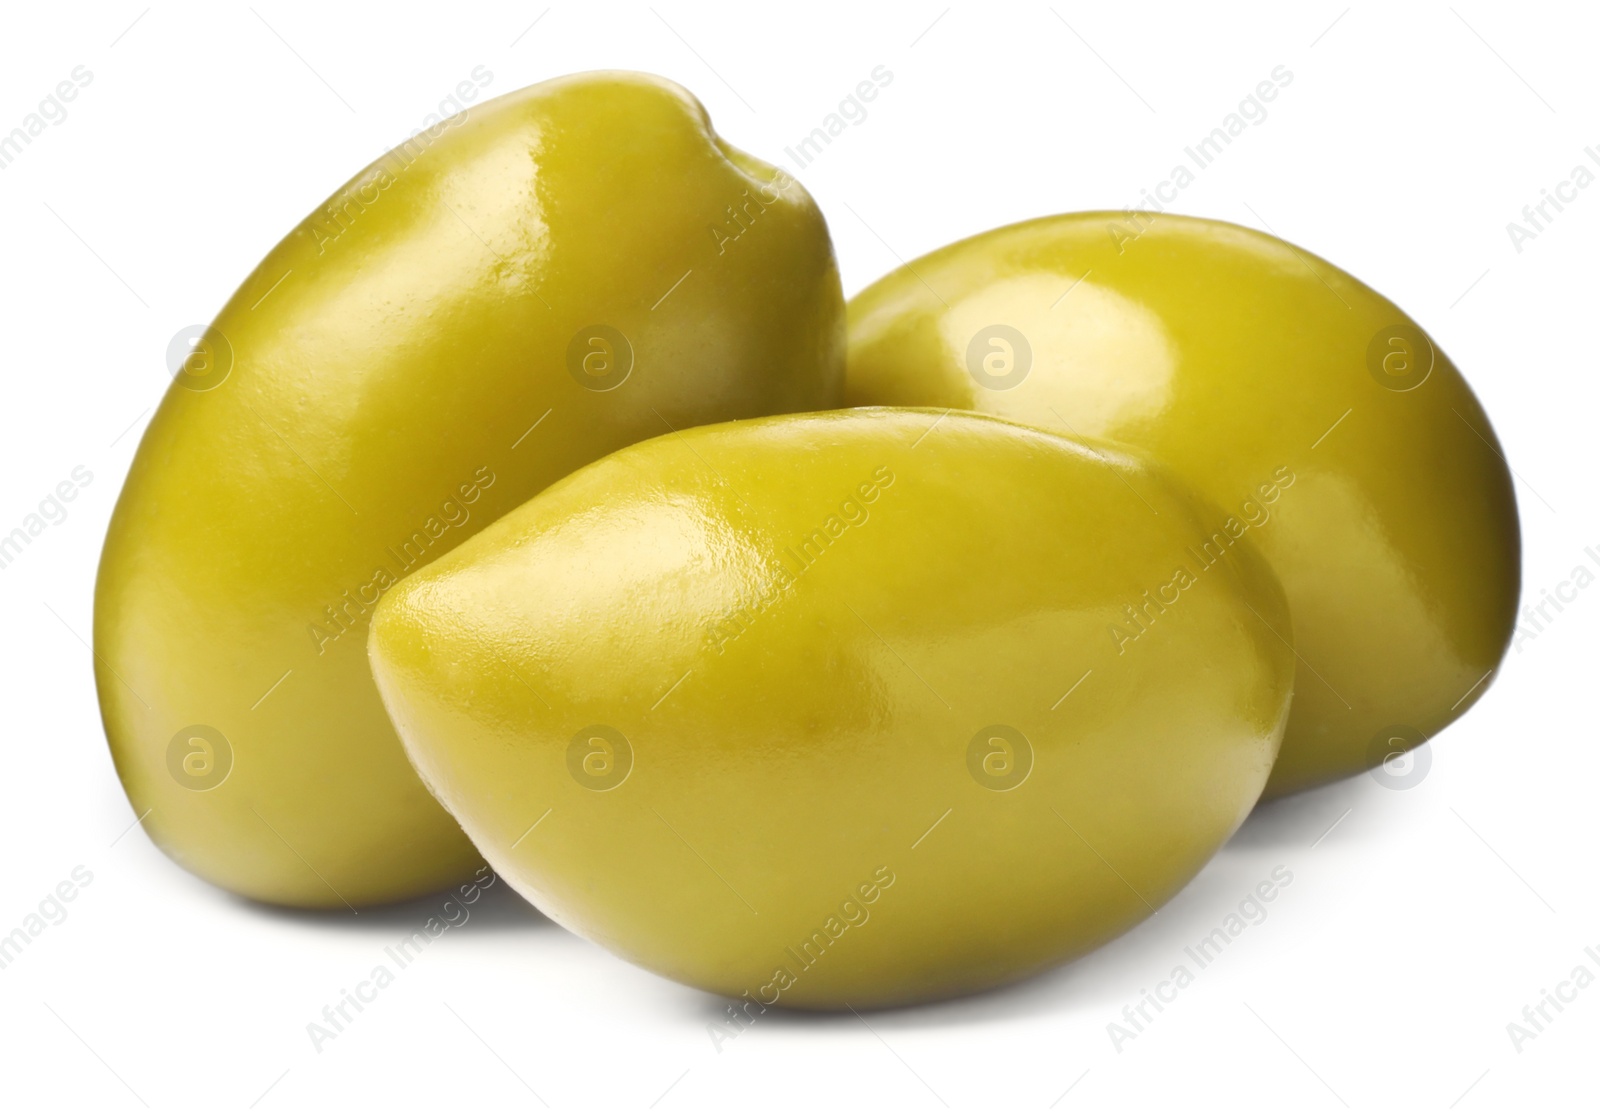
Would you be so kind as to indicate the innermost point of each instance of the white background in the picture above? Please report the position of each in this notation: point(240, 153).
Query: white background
point(1414, 932)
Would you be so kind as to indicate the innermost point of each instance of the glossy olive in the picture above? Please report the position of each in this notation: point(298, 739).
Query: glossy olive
point(864, 707)
point(509, 295)
point(1323, 421)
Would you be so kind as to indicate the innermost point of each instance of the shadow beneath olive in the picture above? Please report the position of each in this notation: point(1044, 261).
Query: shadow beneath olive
point(1295, 821)
point(497, 908)
point(1280, 832)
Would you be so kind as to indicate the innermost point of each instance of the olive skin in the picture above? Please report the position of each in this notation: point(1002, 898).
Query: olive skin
point(850, 680)
point(1231, 355)
point(510, 295)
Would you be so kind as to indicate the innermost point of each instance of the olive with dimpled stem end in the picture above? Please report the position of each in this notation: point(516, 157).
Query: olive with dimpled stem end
point(505, 297)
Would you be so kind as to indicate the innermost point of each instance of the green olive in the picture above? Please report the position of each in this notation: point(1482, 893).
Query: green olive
point(509, 295)
point(843, 708)
point(1327, 426)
